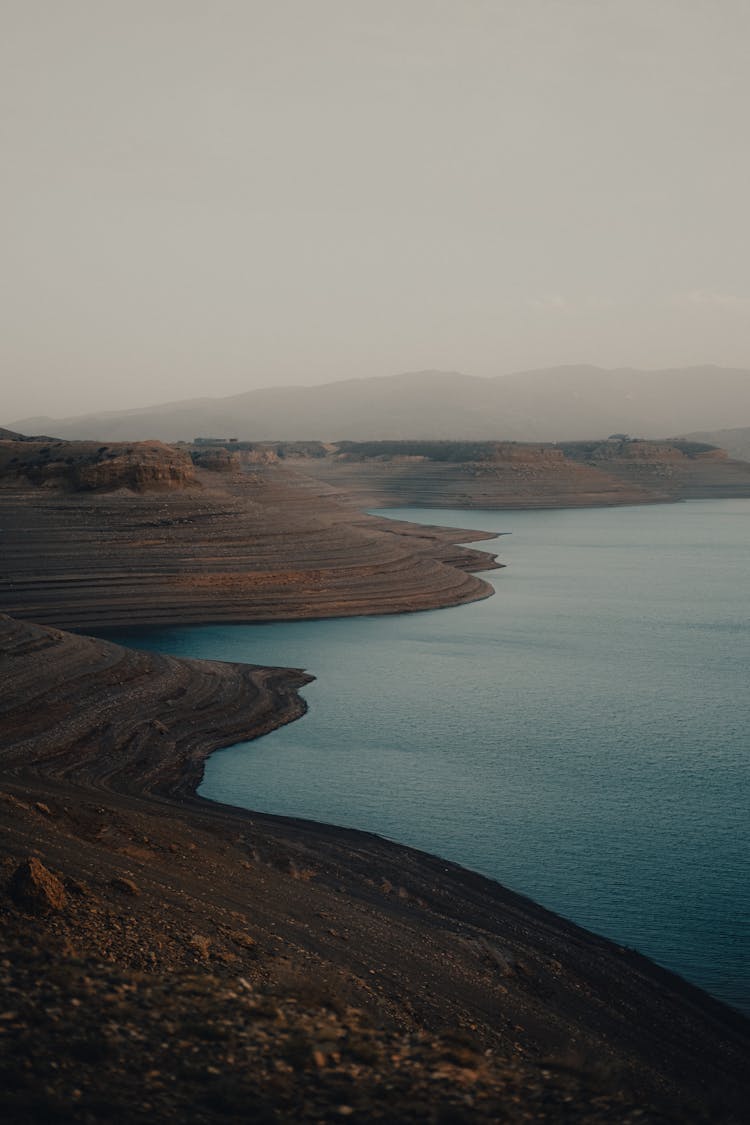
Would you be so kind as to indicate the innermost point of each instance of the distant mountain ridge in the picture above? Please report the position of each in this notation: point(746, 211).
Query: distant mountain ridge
point(552, 404)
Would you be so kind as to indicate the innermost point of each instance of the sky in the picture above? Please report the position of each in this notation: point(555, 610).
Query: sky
point(203, 197)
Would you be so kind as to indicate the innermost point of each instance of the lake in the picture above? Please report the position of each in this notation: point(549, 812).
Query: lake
point(582, 736)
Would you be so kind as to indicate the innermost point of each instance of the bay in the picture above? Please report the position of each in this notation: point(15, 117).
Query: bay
point(582, 736)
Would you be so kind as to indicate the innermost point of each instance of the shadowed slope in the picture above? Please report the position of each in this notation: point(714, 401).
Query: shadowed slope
point(101, 750)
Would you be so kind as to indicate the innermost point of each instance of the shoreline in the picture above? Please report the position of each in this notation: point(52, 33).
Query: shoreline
point(253, 547)
point(103, 749)
point(412, 940)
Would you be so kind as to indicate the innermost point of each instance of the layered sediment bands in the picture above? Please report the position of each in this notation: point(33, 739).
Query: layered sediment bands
point(525, 478)
point(101, 749)
point(518, 475)
point(245, 546)
point(680, 470)
point(85, 709)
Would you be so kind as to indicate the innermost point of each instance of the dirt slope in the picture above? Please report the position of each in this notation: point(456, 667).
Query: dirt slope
point(237, 546)
point(204, 963)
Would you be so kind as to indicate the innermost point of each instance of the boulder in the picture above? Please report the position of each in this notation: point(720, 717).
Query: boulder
point(35, 889)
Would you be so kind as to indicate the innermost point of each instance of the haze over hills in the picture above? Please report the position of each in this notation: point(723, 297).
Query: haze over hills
point(736, 441)
point(561, 403)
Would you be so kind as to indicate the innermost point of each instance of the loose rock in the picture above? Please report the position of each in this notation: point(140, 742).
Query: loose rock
point(35, 889)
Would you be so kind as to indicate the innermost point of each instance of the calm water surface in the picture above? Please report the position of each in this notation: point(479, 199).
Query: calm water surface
point(581, 736)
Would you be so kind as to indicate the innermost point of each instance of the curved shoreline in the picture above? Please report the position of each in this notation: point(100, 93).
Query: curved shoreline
point(266, 546)
point(103, 749)
point(118, 719)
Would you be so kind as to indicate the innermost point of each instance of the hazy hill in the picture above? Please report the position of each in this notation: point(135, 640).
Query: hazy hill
point(563, 403)
point(735, 441)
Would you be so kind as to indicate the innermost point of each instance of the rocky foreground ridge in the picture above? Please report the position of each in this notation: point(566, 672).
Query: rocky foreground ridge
point(163, 958)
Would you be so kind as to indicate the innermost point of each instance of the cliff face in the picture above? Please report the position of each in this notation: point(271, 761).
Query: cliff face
point(220, 460)
point(90, 467)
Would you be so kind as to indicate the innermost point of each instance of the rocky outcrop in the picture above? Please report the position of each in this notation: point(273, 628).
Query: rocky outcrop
point(91, 467)
point(35, 889)
point(219, 460)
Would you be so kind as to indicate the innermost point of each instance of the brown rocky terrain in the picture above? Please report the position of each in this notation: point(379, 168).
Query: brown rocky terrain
point(679, 469)
point(519, 475)
point(227, 546)
point(164, 958)
point(87, 466)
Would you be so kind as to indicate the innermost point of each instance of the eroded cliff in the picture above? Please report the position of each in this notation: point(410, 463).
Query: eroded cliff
point(81, 466)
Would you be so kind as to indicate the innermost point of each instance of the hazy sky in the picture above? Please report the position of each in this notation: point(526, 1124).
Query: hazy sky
point(201, 196)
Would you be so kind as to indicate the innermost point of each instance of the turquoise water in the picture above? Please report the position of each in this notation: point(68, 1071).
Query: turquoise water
point(582, 736)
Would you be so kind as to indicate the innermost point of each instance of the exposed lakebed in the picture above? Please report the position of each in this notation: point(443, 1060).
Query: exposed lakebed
point(581, 737)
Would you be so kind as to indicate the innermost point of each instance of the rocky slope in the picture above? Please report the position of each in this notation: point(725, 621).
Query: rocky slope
point(232, 546)
point(680, 469)
point(519, 475)
point(167, 959)
point(163, 958)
